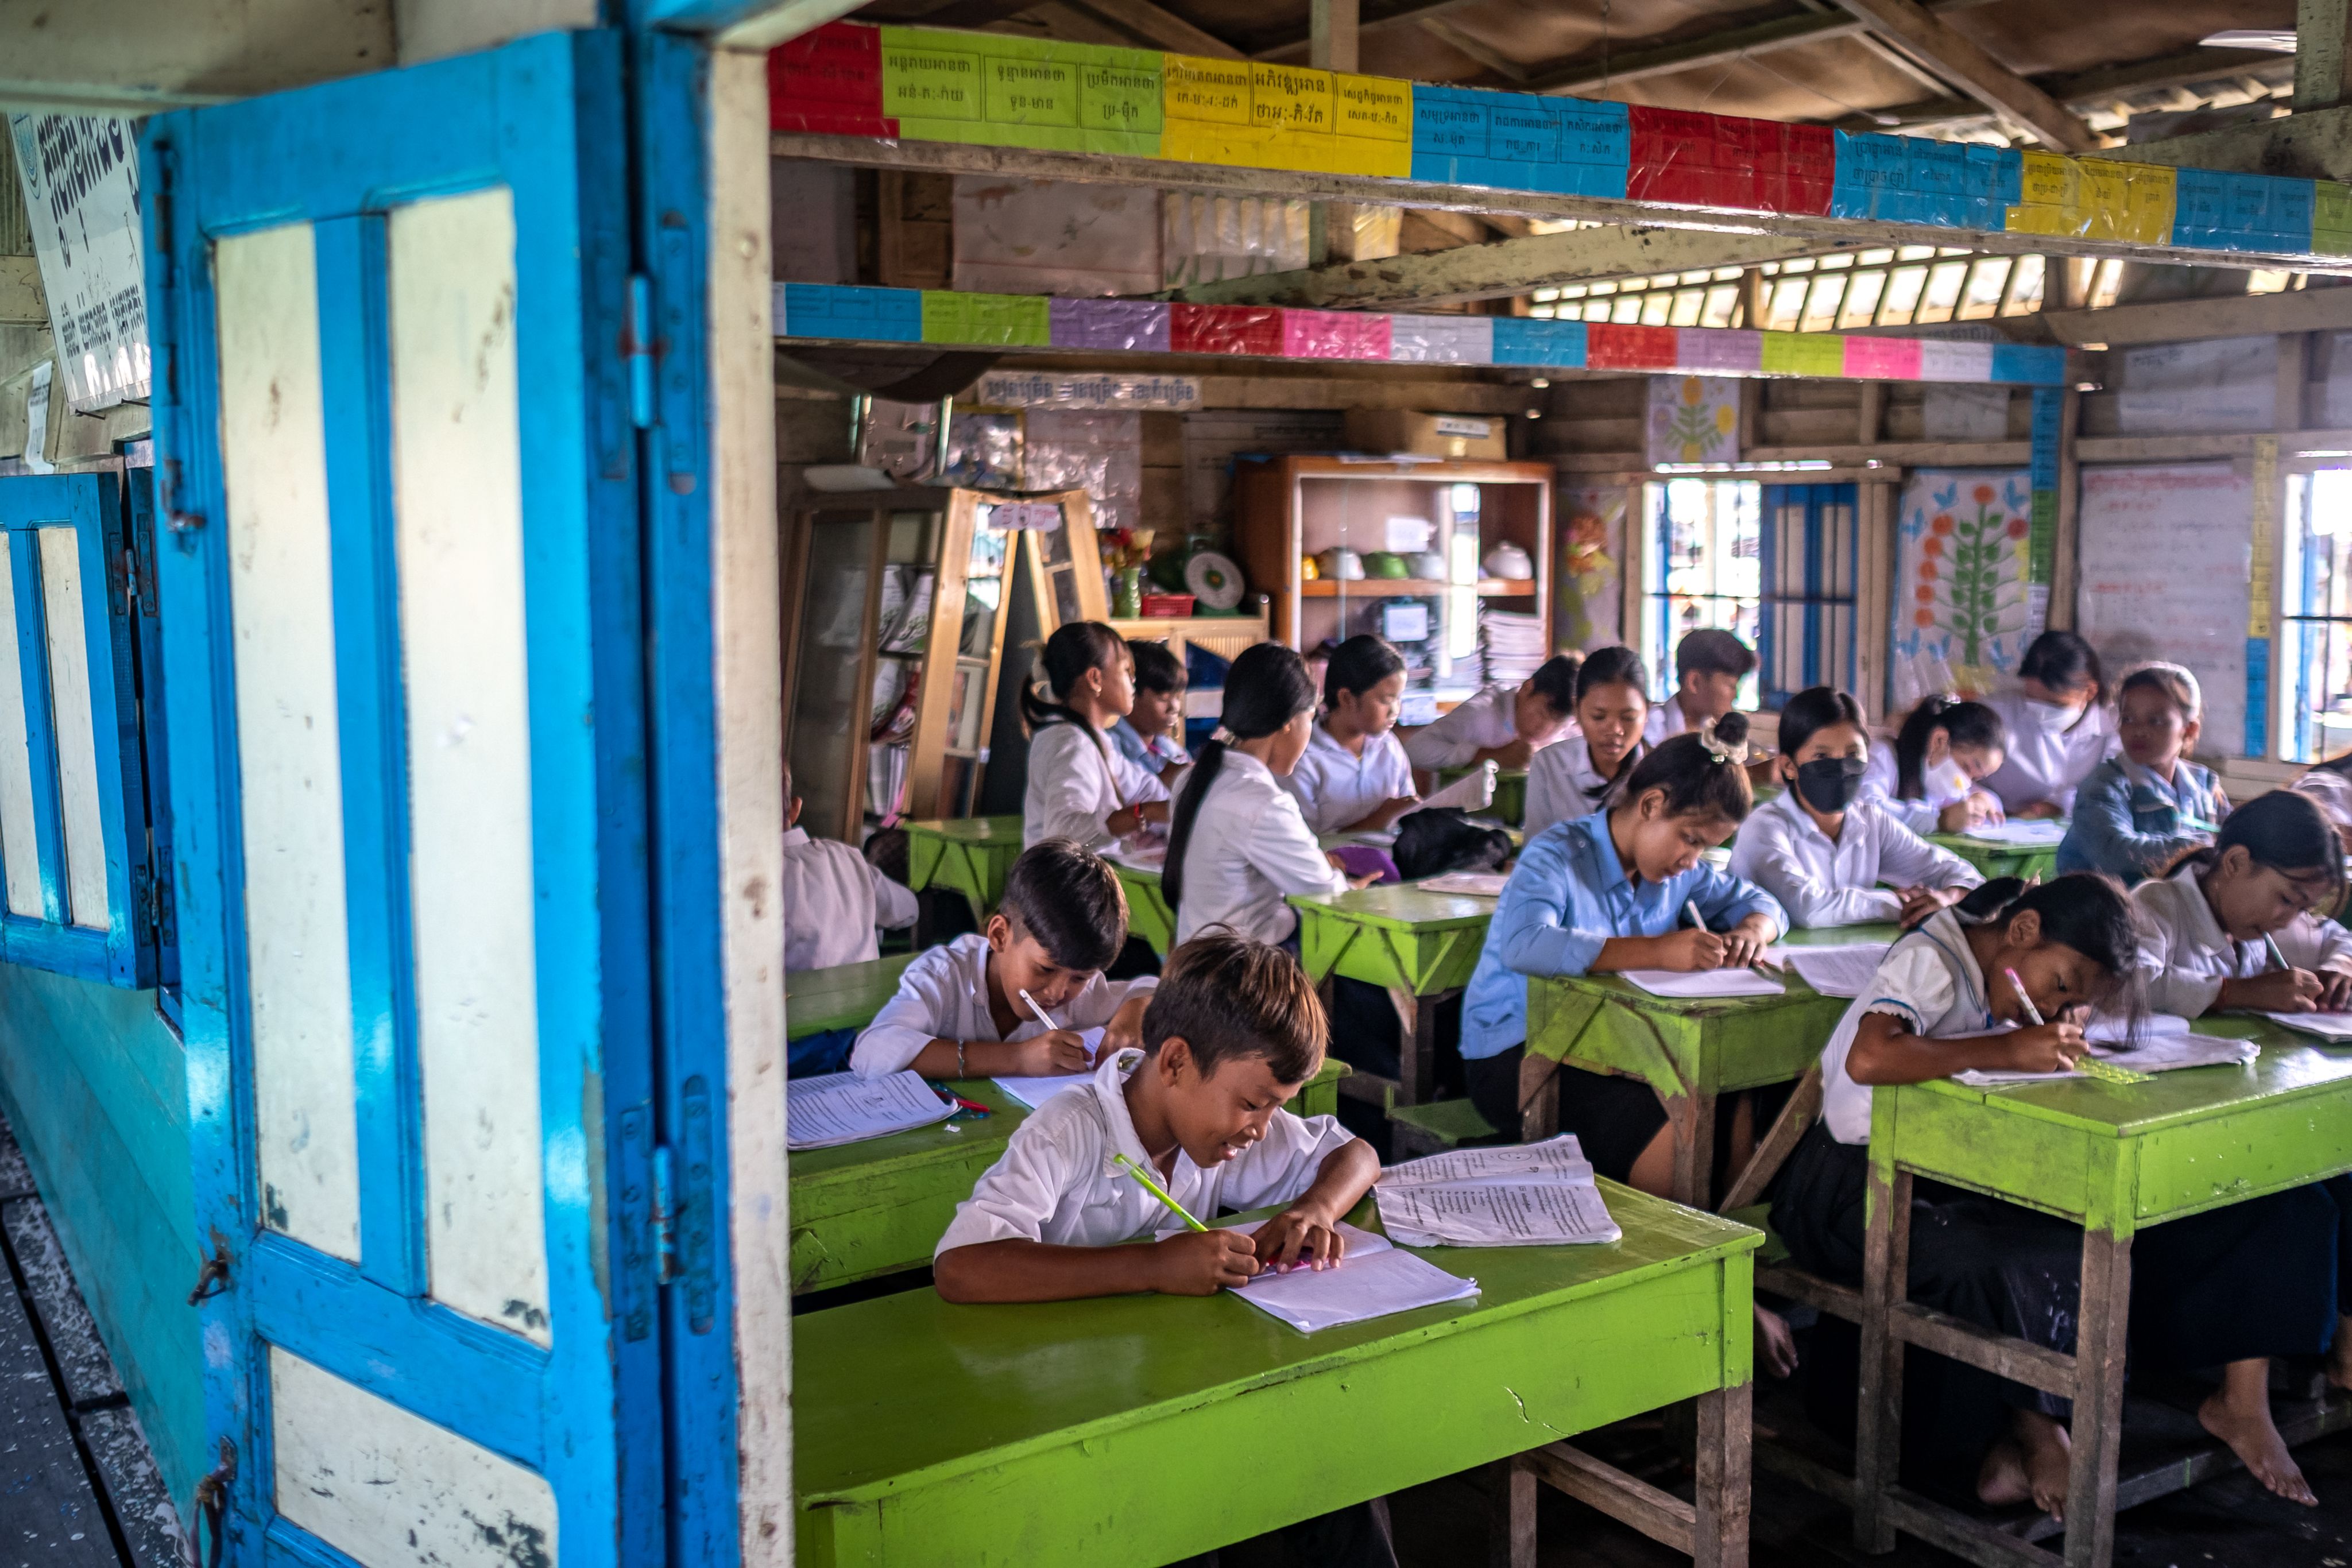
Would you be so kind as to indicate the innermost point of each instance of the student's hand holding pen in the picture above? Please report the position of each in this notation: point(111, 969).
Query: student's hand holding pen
point(1202, 1262)
point(1050, 1054)
point(2279, 991)
point(1691, 949)
point(2043, 1048)
point(2335, 991)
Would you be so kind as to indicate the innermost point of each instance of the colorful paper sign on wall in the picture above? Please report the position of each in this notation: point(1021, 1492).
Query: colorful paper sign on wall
point(1961, 563)
point(1693, 419)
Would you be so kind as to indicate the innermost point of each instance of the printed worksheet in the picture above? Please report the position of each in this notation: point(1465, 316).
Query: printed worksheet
point(843, 1108)
point(2336, 1027)
point(1841, 971)
point(1705, 983)
point(1495, 1214)
point(1561, 1158)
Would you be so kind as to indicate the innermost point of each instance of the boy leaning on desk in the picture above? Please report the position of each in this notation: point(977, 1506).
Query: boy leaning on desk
point(1194, 1122)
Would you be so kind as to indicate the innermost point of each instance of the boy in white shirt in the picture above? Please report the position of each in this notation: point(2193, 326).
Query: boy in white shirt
point(1506, 724)
point(960, 1011)
point(1709, 665)
point(833, 901)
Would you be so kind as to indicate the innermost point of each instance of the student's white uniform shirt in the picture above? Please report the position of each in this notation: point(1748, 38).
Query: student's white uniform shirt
point(2331, 789)
point(1667, 720)
point(943, 995)
point(1941, 786)
point(1784, 852)
point(1249, 848)
point(2184, 954)
point(1481, 723)
point(1076, 779)
point(1056, 1183)
point(1335, 787)
point(2045, 764)
point(1931, 981)
point(1558, 782)
point(833, 898)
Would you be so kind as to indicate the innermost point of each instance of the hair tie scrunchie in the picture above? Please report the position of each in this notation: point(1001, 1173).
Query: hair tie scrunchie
point(1736, 751)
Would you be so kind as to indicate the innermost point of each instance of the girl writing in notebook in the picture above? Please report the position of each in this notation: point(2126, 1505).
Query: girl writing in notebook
point(2142, 807)
point(1354, 776)
point(2228, 1288)
point(1081, 787)
point(1579, 775)
point(1821, 848)
point(1932, 777)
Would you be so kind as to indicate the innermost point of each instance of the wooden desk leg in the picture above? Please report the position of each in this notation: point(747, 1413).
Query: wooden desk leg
point(1417, 1073)
point(1510, 1514)
point(1719, 1530)
point(1694, 1132)
point(2100, 1335)
point(1878, 1422)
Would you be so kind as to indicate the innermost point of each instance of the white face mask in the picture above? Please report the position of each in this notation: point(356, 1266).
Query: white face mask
point(2054, 719)
point(1947, 782)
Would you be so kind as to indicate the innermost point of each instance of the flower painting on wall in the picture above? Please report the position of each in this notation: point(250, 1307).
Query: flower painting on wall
point(1694, 419)
point(1964, 608)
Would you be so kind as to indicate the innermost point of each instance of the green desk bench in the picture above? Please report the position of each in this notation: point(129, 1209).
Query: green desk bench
point(1141, 1429)
point(2039, 860)
point(970, 854)
point(859, 1210)
point(846, 996)
point(2116, 1158)
point(1691, 1050)
point(1411, 942)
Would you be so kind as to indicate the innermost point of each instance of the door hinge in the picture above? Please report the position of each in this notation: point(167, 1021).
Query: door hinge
point(664, 1219)
point(150, 891)
point(213, 1278)
point(638, 1249)
point(682, 1215)
point(637, 349)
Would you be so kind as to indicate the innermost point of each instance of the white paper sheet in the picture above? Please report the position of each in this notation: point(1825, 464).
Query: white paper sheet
point(1474, 883)
point(1363, 1286)
point(843, 1108)
point(2104, 1029)
point(1560, 1157)
point(1495, 1214)
point(1474, 791)
point(1034, 1091)
point(1841, 971)
point(1705, 983)
point(2038, 833)
point(2326, 1026)
point(2166, 1052)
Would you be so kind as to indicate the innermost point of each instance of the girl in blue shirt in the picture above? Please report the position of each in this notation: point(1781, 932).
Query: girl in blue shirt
point(2141, 809)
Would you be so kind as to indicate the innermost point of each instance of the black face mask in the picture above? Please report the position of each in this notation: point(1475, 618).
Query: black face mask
point(1828, 784)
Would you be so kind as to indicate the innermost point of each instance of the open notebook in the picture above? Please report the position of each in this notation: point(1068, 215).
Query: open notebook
point(1705, 983)
point(2166, 1043)
point(2038, 833)
point(843, 1108)
point(1841, 971)
point(1372, 1280)
point(1034, 1091)
point(2332, 1027)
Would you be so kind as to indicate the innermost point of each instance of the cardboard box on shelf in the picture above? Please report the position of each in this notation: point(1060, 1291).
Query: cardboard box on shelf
point(1426, 434)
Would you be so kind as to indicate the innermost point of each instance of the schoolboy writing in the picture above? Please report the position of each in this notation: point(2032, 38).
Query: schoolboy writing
point(1504, 725)
point(959, 1010)
point(1081, 788)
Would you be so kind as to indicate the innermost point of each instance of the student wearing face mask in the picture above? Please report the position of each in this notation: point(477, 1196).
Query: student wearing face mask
point(2058, 723)
point(1930, 778)
point(1822, 848)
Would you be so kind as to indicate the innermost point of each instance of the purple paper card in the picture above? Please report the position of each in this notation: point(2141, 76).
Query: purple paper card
point(1109, 324)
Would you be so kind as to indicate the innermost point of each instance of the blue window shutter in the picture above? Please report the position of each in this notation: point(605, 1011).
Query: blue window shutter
point(81, 834)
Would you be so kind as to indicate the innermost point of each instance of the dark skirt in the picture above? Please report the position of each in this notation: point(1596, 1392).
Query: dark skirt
point(1613, 1118)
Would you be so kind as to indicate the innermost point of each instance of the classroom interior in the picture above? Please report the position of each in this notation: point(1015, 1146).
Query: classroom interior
point(1562, 437)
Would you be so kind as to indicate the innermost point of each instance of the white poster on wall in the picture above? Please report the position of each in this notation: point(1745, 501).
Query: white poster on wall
point(80, 179)
point(1963, 609)
point(2214, 384)
point(2165, 558)
point(1694, 419)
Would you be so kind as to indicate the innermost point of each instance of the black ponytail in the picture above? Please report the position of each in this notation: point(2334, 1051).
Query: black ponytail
point(1266, 687)
point(2085, 910)
point(1695, 781)
point(2285, 831)
point(1963, 723)
point(1068, 654)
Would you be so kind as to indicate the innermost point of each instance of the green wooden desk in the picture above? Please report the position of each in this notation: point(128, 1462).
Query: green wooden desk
point(1147, 914)
point(2000, 860)
point(1692, 1050)
point(1417, 943)
point(1139, 1429)
point(846, 996)
point(859, 1210)
point(1510, 792)
point(2116, 1159)
point(970, 854)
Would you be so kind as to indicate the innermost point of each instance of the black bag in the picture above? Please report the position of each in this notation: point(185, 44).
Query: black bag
point(1439, 839)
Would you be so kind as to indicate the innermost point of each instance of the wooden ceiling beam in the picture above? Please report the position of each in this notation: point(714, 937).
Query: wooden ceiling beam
point(2083, 89)
point(1955, 56)
point(2178, 320)
point(2313, 145)
point(1158, 26)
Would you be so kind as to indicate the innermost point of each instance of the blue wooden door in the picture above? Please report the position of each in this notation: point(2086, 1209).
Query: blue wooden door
point(1805, 624)
point(400, 585)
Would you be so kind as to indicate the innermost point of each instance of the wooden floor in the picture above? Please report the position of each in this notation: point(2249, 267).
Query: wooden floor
point(79, 1487)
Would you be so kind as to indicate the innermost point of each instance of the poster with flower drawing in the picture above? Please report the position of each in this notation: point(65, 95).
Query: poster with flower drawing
point(1694, 419)
point(1963, 602)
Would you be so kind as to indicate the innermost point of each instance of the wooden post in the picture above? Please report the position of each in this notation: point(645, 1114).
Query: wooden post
point(1719, 1530)
point(2100, 1335)
point(2323, 54)
point(1510, 1514)
point(1693, 1117)
point(1330, 47)
point(2070, 506)
point(1878, 1423)
point(2293, 375)
point(1752, 298)
point(1874, 606)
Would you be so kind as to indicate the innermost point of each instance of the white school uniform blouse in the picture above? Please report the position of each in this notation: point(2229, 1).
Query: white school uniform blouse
point(2184, 954)
point(943, 995)
point(1334, 787)
point(1076, 779)
point(1666, 720)
point(2045, 764)
point(1559, 781)
point(1931, 981)
point(1941, 786)
point(1054, 1183)
point(833, 898)
point(1784, 852)
point(1249, 848)
point(1481, 723)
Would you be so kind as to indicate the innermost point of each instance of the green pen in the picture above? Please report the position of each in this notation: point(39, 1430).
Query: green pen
point(1155, 1190)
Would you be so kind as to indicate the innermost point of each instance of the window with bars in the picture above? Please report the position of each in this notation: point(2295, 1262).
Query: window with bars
point(1805, 619)
point(1703, 570)
point(2315, 641)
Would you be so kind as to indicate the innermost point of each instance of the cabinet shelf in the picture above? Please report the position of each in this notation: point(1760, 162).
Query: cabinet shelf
point(1406, 587)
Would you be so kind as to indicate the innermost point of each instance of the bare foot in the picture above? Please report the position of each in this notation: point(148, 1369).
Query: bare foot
point(2339, 1354)
point(2029, 1465)
point(2001, 1480)
point(2239, 1413)
point(1776, 1347)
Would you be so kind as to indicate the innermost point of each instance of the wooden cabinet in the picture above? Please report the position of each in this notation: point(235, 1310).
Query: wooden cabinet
point(1289, 508)
point(899, 604)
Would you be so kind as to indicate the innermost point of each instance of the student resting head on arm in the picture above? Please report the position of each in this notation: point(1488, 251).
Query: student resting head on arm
point(2141, 807)
point(1822, 849)
point(959, 1013)
point(2059, 725)
point(2243, 922)
point(1236, 844)
point(1580, 774)
point(1081, 787)
point(1354, 777)
point(1150, 735)
point(1504, 725)
point(1931, 776)
point(1233, 1032)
